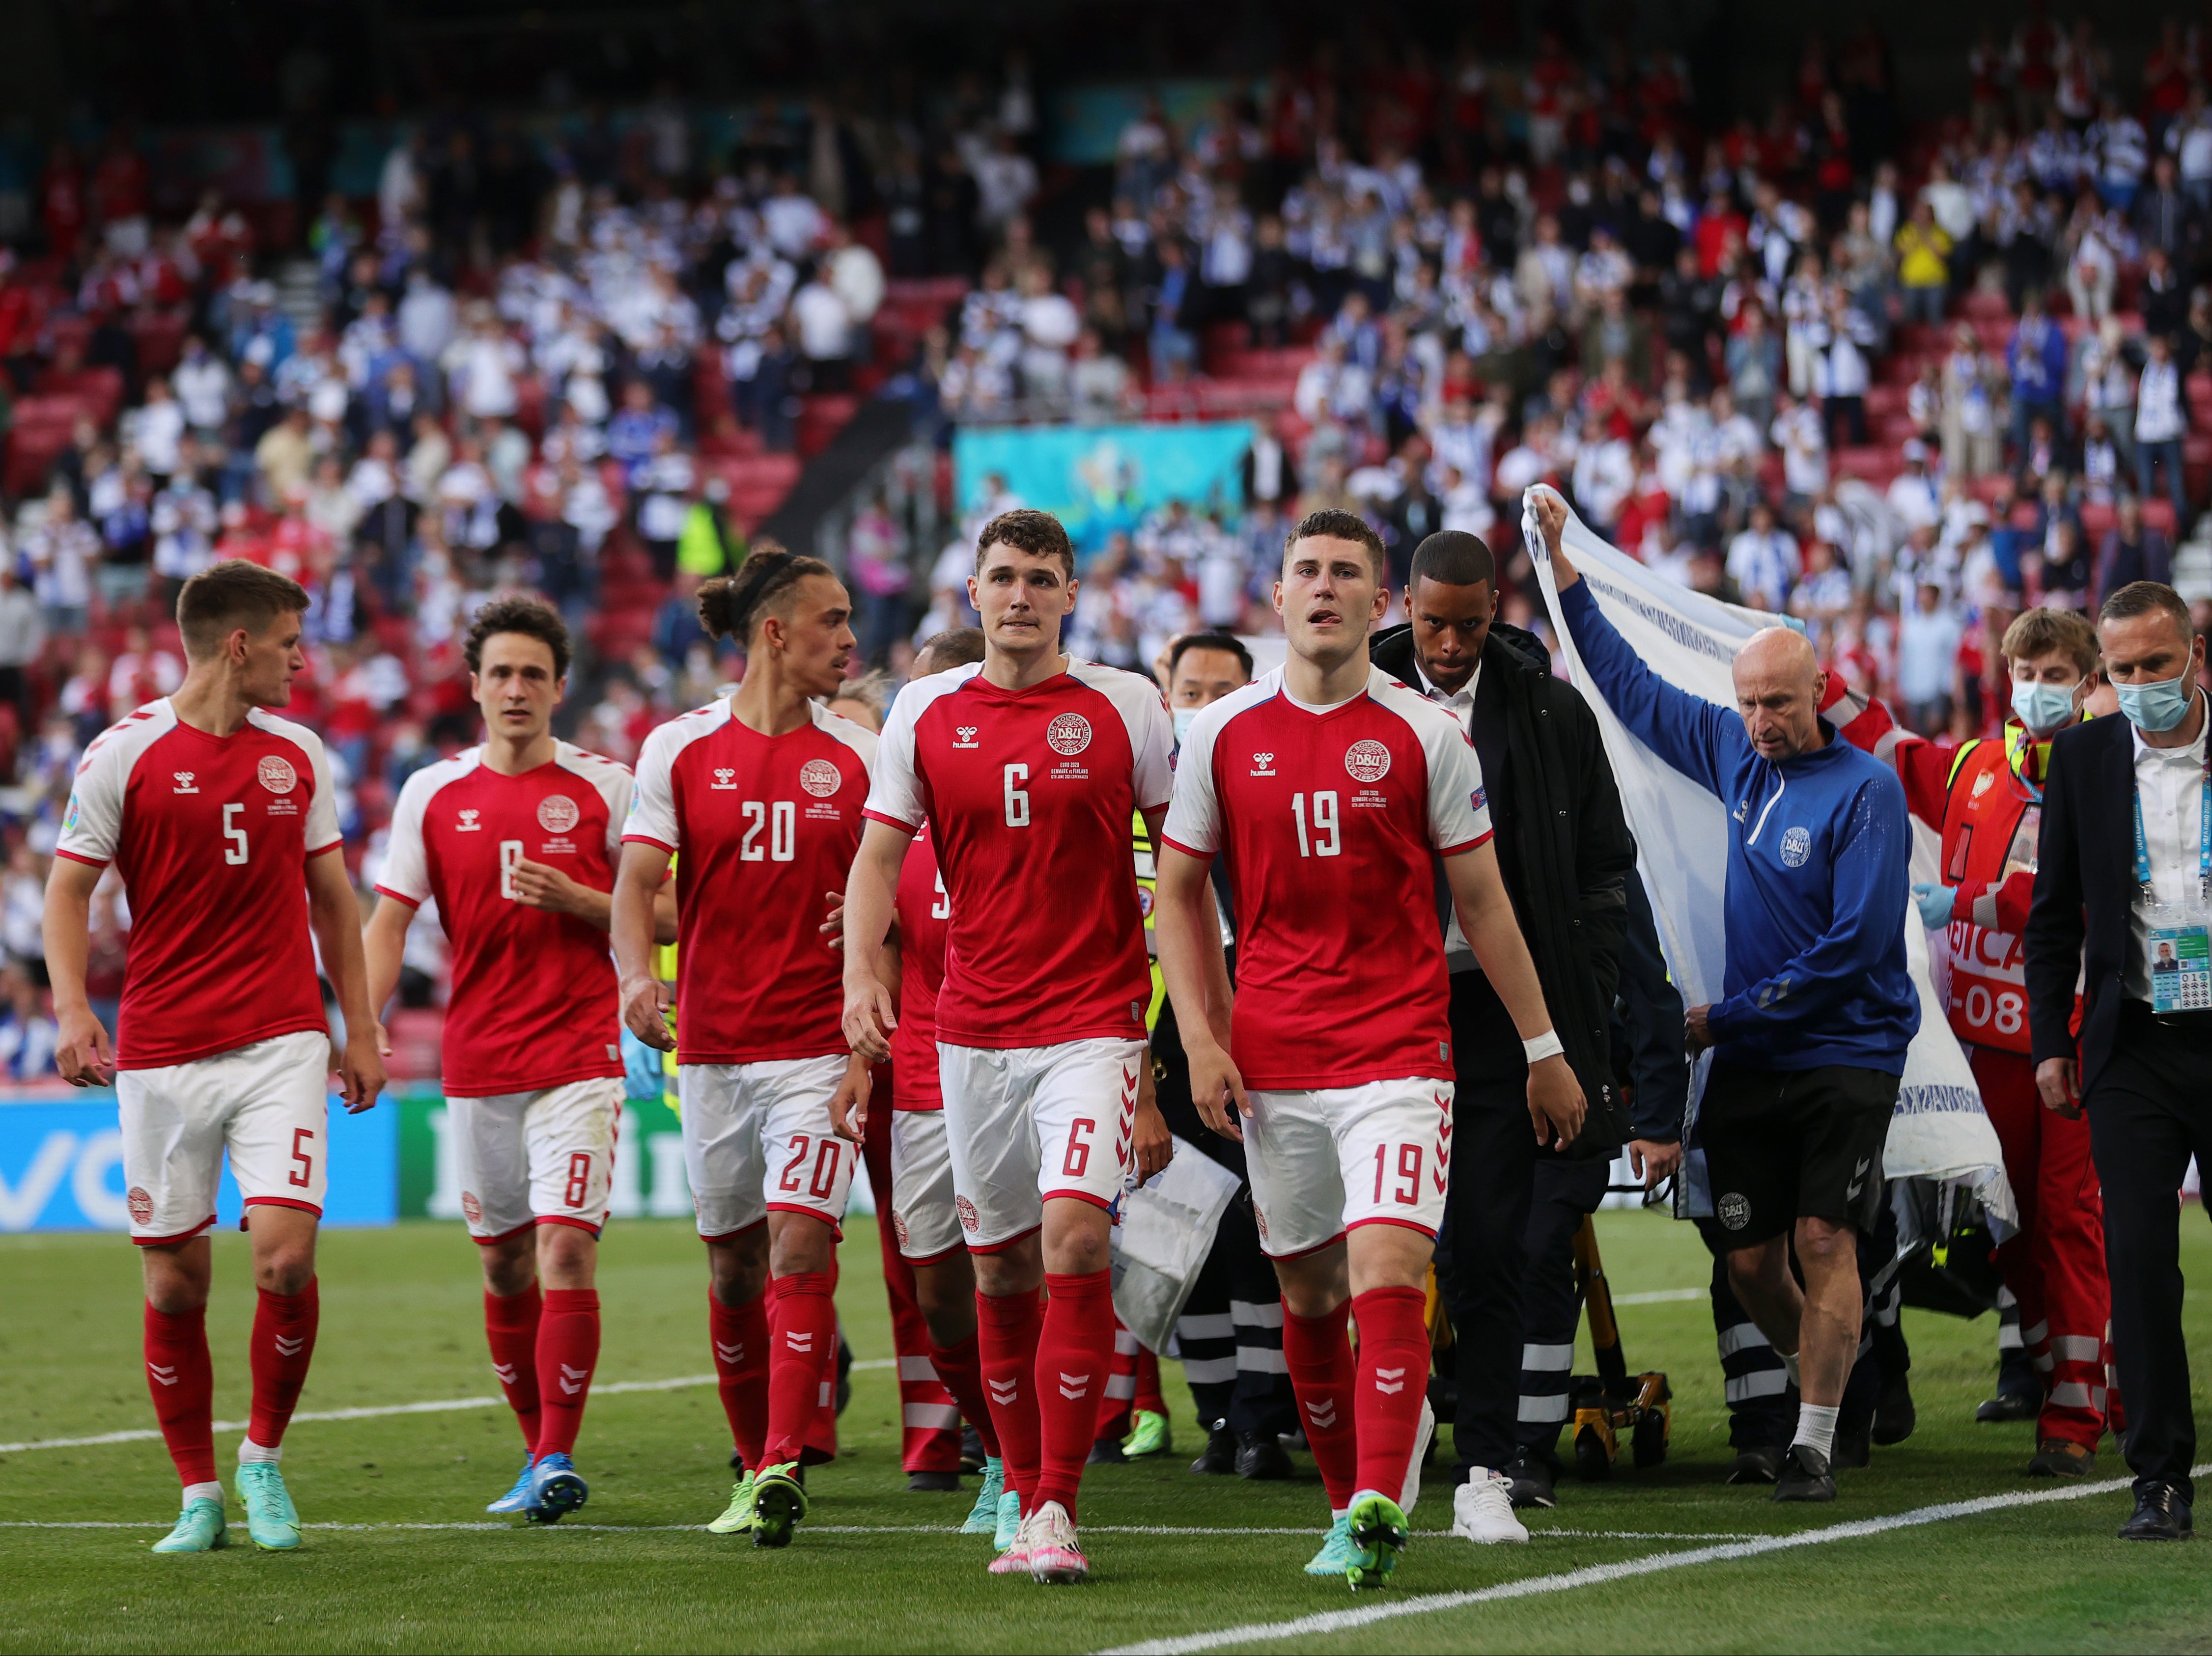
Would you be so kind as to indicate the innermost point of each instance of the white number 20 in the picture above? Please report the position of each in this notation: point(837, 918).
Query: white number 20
point(235, 852)
point(781, 818)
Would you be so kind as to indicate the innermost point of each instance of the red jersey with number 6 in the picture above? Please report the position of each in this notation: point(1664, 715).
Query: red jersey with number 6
point(924, 912)
point(1027, 795)
point(766, 826)
point(1330, 817)
point(211, 835)
point(534, 1003)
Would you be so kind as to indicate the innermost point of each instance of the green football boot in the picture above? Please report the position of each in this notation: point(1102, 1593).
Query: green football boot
point(270, 1519)
point(1151, 1436)
point(983, 1517)
point(1337, 1553)
point(1378, 1526)
point(738, 1516)
point(778, 1502)
point(201, 1528)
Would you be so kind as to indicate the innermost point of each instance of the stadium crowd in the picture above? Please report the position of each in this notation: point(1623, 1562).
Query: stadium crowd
point(1901, 383)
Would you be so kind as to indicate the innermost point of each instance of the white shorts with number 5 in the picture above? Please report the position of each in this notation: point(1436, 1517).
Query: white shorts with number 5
point(757, 1137)
point(1322, 1162)
point(267, 1104)
point(546, 1157)
point(1027, 1123)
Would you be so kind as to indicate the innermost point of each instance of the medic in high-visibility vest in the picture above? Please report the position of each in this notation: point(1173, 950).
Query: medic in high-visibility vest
point(1984, 798)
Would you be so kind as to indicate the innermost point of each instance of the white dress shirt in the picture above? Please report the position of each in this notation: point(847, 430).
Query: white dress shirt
point(1459, 955)
point(2170, 784)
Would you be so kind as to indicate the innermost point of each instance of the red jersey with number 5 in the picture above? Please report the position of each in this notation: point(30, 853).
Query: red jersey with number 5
point(533, 1002)
point(924, 912)
point(1027, 795)
point(1330, 817)
point(211, 835)
point(766, 825)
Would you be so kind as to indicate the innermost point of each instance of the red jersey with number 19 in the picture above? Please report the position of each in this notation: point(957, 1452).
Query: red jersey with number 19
point(534, 1002)
point(765, 826)
point(1027, 795)
point(923, 911)
point(211, 835)
point(1328, 817)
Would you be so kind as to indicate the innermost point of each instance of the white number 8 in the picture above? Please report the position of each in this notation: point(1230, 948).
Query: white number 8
point(510, 854)
point(236, 852)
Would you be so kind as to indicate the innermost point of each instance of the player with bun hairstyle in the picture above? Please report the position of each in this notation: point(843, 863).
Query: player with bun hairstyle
point(761, 792)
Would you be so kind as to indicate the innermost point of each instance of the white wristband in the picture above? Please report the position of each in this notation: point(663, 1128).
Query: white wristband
point(1548, 1045)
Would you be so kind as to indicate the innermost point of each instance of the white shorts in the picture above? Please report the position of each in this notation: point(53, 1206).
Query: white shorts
point(758, 1139)
point(923, 1216)
point(546, 1157)
point(267, 1104)
point(1026, 1123)
point(1323, 1162)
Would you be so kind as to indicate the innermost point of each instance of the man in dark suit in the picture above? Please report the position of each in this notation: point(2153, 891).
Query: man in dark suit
point(2122, 869)
point(1563, 850)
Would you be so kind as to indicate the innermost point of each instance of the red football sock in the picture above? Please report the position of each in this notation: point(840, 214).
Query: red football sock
point(282, 1346)
point(1322, 1374)
point(1148, 1399)
point(182, 1379)
point(802, 1345)
point(1394, 1378)
point(567, 1351)
point(1006, 1343)
point(511, 1331)
point(740, 1338)
point(1075, 1354)
point(961, 1367)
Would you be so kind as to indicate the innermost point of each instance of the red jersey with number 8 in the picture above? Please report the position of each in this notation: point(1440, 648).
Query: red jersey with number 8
point(765, 826)
point(534, 1002)
point(1028, 794)
point(211, 835)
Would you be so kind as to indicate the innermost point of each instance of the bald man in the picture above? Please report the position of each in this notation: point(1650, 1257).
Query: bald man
point(1809, 1037)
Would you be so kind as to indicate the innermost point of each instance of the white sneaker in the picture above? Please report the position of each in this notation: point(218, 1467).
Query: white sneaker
point(1427, 1429)
point(1054, 1558)
point(1482, 1510)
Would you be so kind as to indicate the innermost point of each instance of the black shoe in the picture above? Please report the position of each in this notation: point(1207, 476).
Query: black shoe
point(932, 1483)
point(1260, 1458)
point(1219, 1459)
point(1805, 1476)
point(2160, 1515)
point(737, 1463)
point(971, 1450)
point(2058, 1456)
point(843, 1394)
point(1532, 1481)
point(1759, 1464)
point(1894, 1417)
point(1851, 1449)
point(1106, 1452)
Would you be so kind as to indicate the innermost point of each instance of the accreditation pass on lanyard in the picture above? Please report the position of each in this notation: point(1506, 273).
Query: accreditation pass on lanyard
point(2180, 943)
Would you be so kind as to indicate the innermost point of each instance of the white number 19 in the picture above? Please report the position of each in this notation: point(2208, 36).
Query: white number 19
point(235, 852)
point(1324, 841)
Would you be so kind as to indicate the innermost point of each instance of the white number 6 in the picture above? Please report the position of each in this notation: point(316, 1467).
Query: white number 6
point(1017, 799)
point(236, 852)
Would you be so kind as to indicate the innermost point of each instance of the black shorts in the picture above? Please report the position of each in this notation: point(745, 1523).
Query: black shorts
point(1782, 1146)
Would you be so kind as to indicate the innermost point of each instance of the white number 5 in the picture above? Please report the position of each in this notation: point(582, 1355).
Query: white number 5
point(236, 850)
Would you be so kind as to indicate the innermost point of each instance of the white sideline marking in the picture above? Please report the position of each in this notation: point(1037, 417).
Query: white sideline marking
point(440, 1406)
point(1662, 1296)
point(1342, 1621)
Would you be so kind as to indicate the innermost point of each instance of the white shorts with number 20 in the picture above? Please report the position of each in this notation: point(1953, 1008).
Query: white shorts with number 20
point(1324, 1161)
point(1029, 1122)
point(758, 1136)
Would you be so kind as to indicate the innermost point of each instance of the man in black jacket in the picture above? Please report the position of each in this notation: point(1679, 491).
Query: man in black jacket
point(1563, 849)
point(2121, 875)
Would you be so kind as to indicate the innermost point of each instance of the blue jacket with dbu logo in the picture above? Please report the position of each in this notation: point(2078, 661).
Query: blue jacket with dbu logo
point(1817, 876)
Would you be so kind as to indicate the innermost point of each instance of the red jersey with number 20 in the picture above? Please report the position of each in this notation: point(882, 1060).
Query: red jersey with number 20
point(1027, 795)
point(211, 835)
point(923, 911)
point(765, 826)
point(1328, 817)
point(534, 1002)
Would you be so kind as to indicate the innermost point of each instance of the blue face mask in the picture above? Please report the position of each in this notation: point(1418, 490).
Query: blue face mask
point(2044, 707)
point(1184, 719)
point(2159, 706)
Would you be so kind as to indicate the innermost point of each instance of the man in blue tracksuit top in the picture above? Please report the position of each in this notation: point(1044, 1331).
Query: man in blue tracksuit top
point(1809, 1042)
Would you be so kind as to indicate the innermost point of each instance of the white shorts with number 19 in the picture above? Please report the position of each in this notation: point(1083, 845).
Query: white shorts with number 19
point(1027, 1123)
point(756, 1136)
point(1326, 1161)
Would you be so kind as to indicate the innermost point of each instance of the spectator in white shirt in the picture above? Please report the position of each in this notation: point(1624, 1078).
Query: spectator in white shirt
point(2116, 146)
point(1928, 638)
point(1763, 561)
point(426, 318)
point(856, 273)
point(202, 382)
point(1796, 432)
point(63, 552)
point(791, 221)
point(1913, 498)
point(825, 331)
point(482, 366)
point(1050, 324)
point(1005, 183)
point(2161, 418)
point(157, 428)
point(2189, 141)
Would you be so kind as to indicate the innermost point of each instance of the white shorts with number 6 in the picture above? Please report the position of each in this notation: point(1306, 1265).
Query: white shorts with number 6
point(546, 1157)
point(757, 1137)
point(1026, 1123)
point(1325, 1162)
point(268, 1105)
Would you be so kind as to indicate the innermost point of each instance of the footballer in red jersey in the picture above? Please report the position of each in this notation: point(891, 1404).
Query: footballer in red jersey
point(761, 794)
point(220, 817)
point(1330, 787)
point(514, 843)
point(1027, 768)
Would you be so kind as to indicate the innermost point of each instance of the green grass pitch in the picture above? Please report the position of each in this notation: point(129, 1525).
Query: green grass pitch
point(401, 1323)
